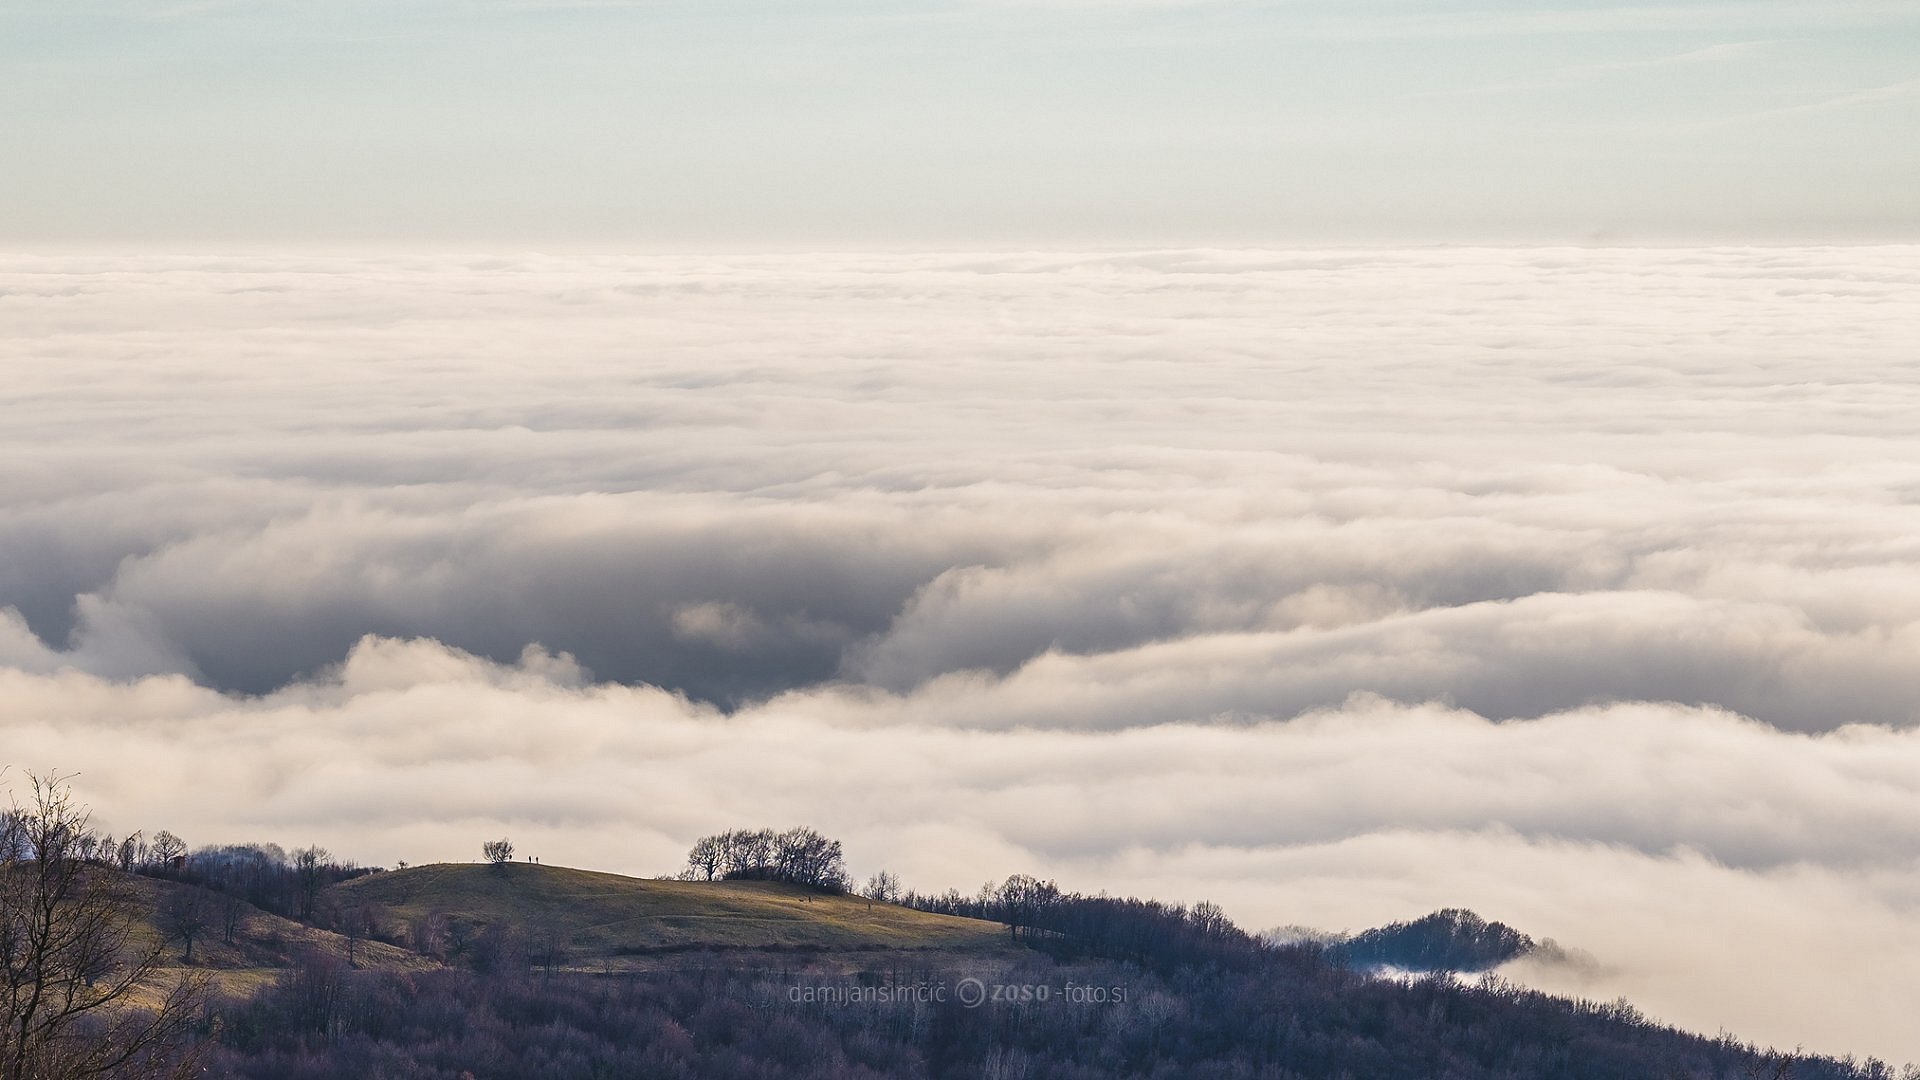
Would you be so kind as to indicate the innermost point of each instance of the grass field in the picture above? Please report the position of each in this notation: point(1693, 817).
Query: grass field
point(599, 916)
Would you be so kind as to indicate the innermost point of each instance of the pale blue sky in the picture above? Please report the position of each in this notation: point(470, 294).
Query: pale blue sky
point(730, 123)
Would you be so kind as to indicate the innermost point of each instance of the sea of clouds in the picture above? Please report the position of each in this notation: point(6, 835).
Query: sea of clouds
point(1578, 587)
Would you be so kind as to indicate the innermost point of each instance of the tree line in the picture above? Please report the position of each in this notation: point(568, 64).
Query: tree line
point(1070, 925)
point(1290, 1015)
point(799, 856)
point(1447, 940)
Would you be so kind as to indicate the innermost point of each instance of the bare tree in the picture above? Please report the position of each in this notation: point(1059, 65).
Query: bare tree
point(1209, 918)
point(883, 887)
point(805, 857)
point(1022, 901)
point(547, 943)
point(707, 857)
point(499, 853)
point(310, 873)
point(132, 852)
point(458, 937)
point(13, 838)
point(81, 992)
point(746, 852)
point(233, 909)
point(166, 850)
point(428, 934)
point(185, 915)
point(354, 918)
point(314, 989)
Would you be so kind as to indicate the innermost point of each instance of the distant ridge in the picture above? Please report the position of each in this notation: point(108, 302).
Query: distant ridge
point(1451, 939)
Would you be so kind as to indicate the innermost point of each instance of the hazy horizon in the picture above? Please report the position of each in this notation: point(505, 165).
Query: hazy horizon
point(1010, 123)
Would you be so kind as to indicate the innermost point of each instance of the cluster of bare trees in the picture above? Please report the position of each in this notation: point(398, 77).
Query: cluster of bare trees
point(1026, 904)
point(264, 876)
point(80, 988)
point(135, 852)
point(1068, 924)
point(884, 887)
point(801, 856)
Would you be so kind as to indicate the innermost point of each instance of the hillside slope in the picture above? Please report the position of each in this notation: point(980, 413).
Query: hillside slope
point(598, 915)
point(262, 944)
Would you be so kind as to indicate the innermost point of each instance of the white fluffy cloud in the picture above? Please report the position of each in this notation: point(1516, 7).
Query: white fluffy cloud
point(1581, 587)
point(1722, 873)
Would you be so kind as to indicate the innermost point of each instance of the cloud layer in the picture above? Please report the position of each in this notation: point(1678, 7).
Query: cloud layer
point(1581, 587)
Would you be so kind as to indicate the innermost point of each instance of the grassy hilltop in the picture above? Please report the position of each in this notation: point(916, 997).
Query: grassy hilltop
point(595, 921)
point(606, 915)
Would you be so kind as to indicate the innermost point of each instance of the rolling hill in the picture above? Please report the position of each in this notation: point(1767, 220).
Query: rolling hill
point(714, 980)
point(600, 917)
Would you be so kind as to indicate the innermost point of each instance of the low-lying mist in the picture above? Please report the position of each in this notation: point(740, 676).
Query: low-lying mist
point(1580, 588)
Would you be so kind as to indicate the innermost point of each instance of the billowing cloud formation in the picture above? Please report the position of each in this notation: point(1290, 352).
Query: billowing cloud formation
point(1724, 873)
point(1532, 479)
point(1581, 587)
